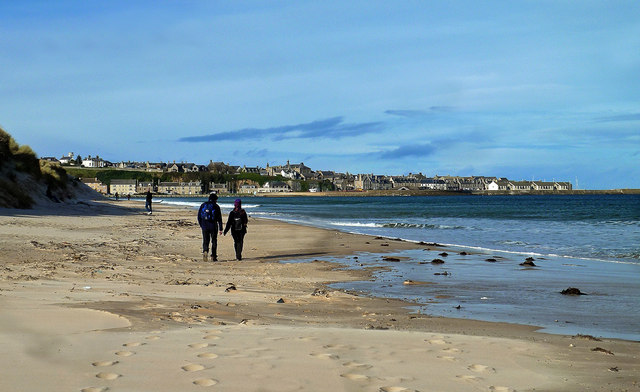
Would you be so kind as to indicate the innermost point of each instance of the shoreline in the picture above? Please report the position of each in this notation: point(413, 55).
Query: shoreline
point(145, 269)
point(404, 193)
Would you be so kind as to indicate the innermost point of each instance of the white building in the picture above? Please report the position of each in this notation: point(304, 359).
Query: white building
point(93, 162)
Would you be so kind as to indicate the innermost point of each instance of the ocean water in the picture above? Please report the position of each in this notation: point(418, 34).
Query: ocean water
point(591, 242)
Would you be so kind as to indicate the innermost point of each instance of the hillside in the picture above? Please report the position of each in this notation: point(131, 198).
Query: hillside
point(26, 181)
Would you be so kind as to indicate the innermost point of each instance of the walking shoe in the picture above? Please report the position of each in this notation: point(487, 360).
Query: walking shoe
point(214, 258)
point(204, 256)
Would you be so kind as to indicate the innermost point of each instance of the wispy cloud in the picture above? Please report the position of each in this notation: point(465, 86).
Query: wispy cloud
point(332, 128)
point(413, 150)
point(418, 113)
point(263, 152)
point(620, 117)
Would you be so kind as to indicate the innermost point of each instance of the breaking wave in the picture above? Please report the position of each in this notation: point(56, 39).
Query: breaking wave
point(397, 225)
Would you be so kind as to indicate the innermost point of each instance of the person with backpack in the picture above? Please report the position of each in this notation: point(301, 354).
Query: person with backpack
point(237, 223)
point(210, 221)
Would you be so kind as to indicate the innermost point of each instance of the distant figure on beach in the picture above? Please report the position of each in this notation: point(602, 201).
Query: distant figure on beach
point(237, 223)
point(128, 196)
point(210, 221)
point(116, 196)
point(147, 205)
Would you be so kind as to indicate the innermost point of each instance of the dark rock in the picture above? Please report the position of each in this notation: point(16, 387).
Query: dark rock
point(432, 244)
point(587, 337)
point(384, 244)
point(529, 259)
point(445, 273)
point(444, 254)
point(463, 253)
point(491, 260)
point(528, 263)
point(458, 307)
point(572, 291)
point(602, 350)
point(393, 259)
point(280, 301)
point(230, 288)
point(379, 238)
point(437, 261)
point(318, 292)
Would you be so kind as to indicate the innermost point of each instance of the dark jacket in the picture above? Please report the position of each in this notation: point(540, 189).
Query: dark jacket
point(242, 215)
point(216, 225)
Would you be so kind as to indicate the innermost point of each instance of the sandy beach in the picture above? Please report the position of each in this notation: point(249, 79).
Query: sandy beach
point(99, 296)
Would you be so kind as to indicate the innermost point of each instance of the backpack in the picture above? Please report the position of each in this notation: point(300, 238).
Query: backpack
point(237, 223)
point(207, 212)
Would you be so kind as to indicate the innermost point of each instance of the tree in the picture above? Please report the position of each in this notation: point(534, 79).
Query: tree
point(79, 160)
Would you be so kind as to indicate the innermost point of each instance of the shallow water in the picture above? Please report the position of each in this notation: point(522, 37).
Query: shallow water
point(508, 292)
point(591, 242)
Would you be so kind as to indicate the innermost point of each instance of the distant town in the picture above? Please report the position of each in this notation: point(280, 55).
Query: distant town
point(289, 177)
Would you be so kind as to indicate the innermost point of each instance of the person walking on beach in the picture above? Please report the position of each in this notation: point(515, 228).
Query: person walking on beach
point(210, 221)
point(147, 205)
point(237, 223)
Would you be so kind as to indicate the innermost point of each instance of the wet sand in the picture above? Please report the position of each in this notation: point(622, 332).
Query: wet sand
point(100, 296)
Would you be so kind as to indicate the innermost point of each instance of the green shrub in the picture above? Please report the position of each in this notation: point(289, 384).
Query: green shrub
point(27, 161)
point(54, 175)
point(6, 144)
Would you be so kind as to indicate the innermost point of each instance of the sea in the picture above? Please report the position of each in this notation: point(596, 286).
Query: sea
point(589, 242)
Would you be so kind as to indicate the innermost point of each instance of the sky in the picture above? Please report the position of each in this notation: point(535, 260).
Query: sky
point(528, 90)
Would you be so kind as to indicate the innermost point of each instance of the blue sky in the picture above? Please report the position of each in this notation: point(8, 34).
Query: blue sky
point(521, 89)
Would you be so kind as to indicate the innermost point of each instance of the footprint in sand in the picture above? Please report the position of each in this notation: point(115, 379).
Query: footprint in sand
point(124, 353)
point(93, 389)
point(104, 363)
point(500, 389)
point(192, 367)
point(211, 337)
point(355, 377)
point(394, 389)
point(275, 339)
point(199, 345)
point(480, 368)
point(451, 350)
point(338, 347)
point(324, 355)
point(208, 355)
point(205, 382)
point(447, 358)
point(354, 364)
point(469, 378)
point(108, 376)
point(307, 338)
point(440, 342)
point(153, 337)
point(133, 344)
point(258, 349)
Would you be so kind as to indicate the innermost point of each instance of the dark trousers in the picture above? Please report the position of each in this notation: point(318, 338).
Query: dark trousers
point(210, 236)
point(238, 240)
